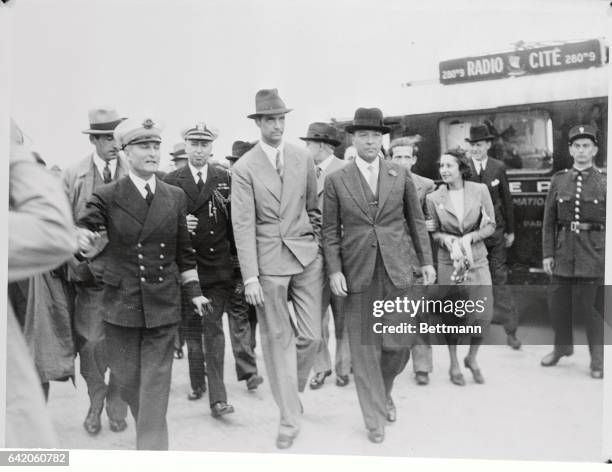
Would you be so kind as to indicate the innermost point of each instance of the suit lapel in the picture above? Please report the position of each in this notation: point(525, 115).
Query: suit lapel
point(88, 176)
point(122, 169)
point(333, 165)
point(471, 203)
point(352, 182)
point(446, 204)
point(266, 173)
point(386, 179)
point(209, 186)
point(129, 199)
point(158, 211)
point(188, 184)
point(291, 169)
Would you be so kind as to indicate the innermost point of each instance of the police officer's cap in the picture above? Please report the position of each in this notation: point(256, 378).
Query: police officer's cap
point(137, 131)
point(200, 131)
point(583, 131)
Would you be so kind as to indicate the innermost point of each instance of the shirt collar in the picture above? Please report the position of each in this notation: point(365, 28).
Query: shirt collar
point(195, 170)
point(271, 151)
point(325, 164)
point(101, 163)
point(140, 183)
point(482, 164)
point(363, 164)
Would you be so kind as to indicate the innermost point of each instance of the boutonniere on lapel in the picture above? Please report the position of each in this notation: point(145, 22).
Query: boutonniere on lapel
point(495, 183)
point(392, 172)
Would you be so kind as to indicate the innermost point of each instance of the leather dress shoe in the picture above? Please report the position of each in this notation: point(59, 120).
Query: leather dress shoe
point(197, 393)
point(553, 358)
point(221, 408)
point(254, 381)
point(92, 423)
point(283, 441)
point(376, 435)
point(476, 373)
point(422, 378)
point(597, 373)
point(342, 380)
point(319, 379)
point(391, 411)
point(513, 341)
point(457, 378)
point(116, 426)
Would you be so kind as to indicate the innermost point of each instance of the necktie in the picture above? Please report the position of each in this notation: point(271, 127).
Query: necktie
point(319, 170)
point(106, 174)
point(200, 182)
point(149, 197)
point(279, 165)
point(372, 179)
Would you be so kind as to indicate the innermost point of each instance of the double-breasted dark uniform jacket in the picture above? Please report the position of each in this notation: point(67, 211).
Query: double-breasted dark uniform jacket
point(147, 255)
point(494, 177)
point(578, 199)
point(213, 240)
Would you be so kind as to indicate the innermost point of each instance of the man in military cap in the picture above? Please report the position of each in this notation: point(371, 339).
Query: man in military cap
point(368, 204)
point(137, 227)
point(492, 172)
point(404, 152)
point(321, 140)
point(573, 249)
point(101, 167)
point(277, 224)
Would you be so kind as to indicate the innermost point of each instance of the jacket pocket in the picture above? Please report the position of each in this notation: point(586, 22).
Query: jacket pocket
point(111, 278)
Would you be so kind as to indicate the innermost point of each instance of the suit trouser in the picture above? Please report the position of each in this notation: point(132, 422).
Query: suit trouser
point(573, 297)
point(91, 346)
point(374, 366)
point(239, 314)
point(422, 359)
point(142, 361)
point(211, 326)
point(322, 361)
point(289, 346)
point(503, 307)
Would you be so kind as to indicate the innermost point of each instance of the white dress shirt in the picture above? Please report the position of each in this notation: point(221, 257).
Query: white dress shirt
point(369, 168)
point(195, 170)
point(140, 183)
point(101, 164)
point(480, 165)
point(272, 151)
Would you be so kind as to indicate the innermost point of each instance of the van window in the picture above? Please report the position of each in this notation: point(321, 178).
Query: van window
point(523, 139)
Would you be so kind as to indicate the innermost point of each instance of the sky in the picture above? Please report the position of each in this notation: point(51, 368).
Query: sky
point(186, 61)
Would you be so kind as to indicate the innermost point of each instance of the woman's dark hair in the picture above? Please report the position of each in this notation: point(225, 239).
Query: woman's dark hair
point(462, 162)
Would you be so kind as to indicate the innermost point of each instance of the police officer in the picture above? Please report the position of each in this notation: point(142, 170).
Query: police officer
point(573, 248)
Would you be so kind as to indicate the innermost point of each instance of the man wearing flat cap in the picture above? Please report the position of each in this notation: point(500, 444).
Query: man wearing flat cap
point(321, 140)
point(573, 249)
point(101, 167)
point(373, 227)
point(148, 260)
point(492, 172)
point(277, 225)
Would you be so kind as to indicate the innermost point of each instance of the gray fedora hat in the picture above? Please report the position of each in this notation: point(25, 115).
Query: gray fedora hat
point(268, 102)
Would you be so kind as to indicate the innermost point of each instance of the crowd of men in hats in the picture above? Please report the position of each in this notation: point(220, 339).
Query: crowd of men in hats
point(278, 239)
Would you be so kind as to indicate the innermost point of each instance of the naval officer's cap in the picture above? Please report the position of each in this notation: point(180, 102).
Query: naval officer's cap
point(137, 131)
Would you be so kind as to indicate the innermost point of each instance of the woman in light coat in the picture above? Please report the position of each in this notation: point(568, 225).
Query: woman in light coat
point(460, 216)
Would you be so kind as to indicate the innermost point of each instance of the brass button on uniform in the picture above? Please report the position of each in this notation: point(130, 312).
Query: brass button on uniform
point(161, 267)
point(212, 249)
point(161, 256)
point(142, 267)
point(138, 245)
point(140, 256)
point(162, 245)
point(142, 279)
point(161, 279)
point(212, 232)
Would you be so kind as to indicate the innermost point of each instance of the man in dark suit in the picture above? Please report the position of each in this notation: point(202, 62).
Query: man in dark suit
point(372, 227)
point(80, 180)
point(573, 246)
point(137, 226)
point(207, 187)
point(492, 172)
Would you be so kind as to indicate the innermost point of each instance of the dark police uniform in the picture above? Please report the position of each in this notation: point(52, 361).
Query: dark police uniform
point(574, 234)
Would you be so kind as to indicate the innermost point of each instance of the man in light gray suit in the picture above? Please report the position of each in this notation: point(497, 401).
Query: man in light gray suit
point(277, 225)
point(321, 140)
point(80, 181)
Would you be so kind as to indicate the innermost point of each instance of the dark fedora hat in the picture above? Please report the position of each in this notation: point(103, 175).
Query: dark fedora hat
point(268, 102)
point(178, 151)
point(322, 132)
point(479, 133)
point(103, 121)
point(239, 148)
point(368, 119)
point(583, 131)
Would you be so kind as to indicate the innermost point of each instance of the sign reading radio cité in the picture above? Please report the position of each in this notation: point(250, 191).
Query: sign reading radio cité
point(559, 57)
